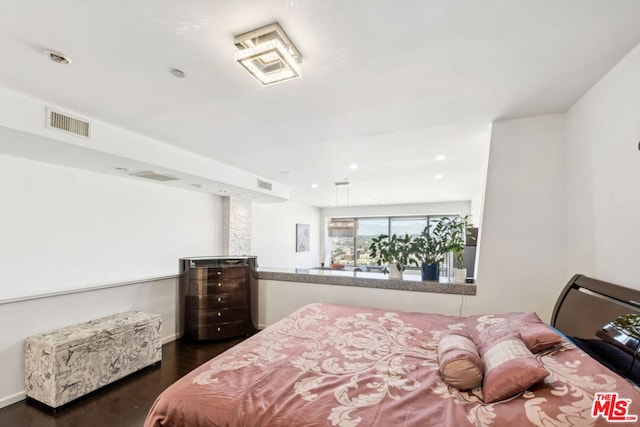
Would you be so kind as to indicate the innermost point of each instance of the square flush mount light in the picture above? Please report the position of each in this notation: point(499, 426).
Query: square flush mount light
point(268, 55)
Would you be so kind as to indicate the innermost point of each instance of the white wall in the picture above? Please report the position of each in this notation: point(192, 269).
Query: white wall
point(521, 265)
point(277, 299)
point(274, 234)
point(67, 228)
point(603, 184)
point(64, 229)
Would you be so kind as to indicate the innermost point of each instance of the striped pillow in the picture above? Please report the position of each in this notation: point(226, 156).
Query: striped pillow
point(509, 368)
point(459, 361)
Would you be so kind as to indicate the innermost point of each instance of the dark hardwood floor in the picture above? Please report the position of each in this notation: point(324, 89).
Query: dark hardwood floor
point(124, 403)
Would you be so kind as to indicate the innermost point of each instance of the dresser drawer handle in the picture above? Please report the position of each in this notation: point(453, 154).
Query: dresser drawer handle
point(219, 273)
point(219, 299)
point(218, 329)
point(219, 284)
point(219, 314)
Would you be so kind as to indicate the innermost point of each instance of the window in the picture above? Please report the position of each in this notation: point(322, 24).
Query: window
point(342, 249)
point(352, 249)
point(368, 228)
point(411, 226)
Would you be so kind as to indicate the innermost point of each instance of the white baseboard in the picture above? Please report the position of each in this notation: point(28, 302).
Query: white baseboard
point(10, 400)
point(169, 338)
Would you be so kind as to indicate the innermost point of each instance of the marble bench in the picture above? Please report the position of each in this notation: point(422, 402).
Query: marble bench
point(67, 363)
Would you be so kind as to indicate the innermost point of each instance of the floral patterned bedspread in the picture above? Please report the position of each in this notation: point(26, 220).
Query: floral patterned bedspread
point(333, 365)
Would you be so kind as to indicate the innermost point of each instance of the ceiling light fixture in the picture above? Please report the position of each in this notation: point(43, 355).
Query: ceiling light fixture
point(342, 227)
point(268, 55)
point(440, 158)
point(353, 166)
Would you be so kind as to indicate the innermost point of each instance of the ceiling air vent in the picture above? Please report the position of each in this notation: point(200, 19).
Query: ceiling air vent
point(64, 122)
point(264, 185)
point(154, 176)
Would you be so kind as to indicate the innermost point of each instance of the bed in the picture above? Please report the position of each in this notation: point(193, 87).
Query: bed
point(336, 365)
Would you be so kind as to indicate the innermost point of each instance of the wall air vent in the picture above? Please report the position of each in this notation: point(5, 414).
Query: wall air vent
point(64, 122)
point(264, 185)
point(154, 176)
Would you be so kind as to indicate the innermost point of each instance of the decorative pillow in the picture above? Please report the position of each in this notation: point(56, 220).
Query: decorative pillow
point(509, 368)
point(533, 331)
point(460, 364)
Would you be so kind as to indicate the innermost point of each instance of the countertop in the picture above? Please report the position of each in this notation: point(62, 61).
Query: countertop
point(409, 282)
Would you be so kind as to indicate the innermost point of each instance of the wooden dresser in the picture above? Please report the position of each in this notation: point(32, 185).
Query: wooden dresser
point(216, 292)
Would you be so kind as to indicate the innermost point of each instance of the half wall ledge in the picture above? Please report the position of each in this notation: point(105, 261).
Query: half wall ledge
point(410, 282)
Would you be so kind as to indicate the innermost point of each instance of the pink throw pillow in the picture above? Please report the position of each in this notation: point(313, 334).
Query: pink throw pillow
point(509, 368)
point(533, 331)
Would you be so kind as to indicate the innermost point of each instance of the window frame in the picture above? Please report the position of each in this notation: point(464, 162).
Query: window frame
point(427, 217)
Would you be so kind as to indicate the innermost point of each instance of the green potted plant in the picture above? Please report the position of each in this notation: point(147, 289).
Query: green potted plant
point(392, 251)
point(458, 233)
point(430, 248)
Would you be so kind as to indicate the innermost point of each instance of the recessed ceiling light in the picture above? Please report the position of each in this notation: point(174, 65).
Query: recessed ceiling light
point(222, 191)
point(440, 157)
point(57, 57)
point(285, 172)
point(353, 166)
point(196, 185)
point(438, 176)
point(122, 169)
point(314, 185)
point(178, 73)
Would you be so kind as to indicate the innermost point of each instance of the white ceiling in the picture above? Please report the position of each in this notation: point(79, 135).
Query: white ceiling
point(386, 84)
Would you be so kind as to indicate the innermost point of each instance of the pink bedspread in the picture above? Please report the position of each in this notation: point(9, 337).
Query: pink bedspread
point(332, 365)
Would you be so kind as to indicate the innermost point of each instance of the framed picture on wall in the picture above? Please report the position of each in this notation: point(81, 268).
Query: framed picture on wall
point(302, 237)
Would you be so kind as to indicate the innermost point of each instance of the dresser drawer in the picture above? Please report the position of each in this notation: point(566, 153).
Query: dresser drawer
point(218, 273)
point(215, 301)
point(214, 317)
point(229, 286)
point(221, 330)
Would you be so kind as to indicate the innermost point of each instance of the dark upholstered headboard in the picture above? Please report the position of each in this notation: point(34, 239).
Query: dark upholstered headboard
point(589, 312)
